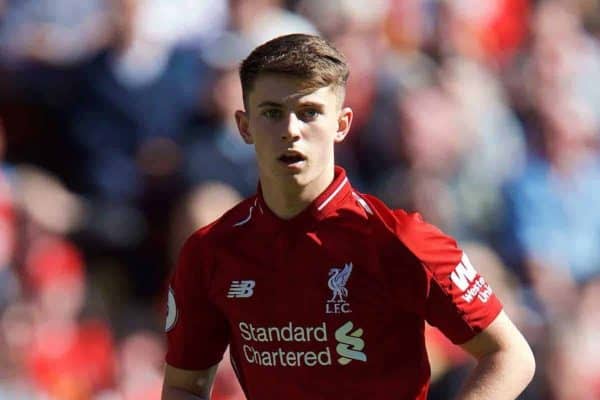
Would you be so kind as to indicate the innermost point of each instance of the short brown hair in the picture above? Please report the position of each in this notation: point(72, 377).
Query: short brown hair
point(308, 57)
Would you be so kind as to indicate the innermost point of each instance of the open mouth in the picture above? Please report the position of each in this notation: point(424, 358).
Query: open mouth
point(291, 158)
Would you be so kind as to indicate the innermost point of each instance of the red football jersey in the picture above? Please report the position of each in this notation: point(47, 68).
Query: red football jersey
point(331, 304)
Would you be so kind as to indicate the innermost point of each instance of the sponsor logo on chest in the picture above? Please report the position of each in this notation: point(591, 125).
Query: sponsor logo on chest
point(330, 343)
point(257, 345)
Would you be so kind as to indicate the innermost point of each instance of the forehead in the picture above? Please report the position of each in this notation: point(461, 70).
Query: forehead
point(288, 90)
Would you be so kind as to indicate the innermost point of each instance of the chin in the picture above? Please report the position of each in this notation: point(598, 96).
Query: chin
point(300, 176)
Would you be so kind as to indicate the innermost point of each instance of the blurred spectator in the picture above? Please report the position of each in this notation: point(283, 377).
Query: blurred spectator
point(456, 144)
point(493, 145)
point(214, 149)
point(564, 61)
point(69, 357)
point(16, 338)
point(261, 20)
point(488, 32)
point(121, 111)
point(429, 151)
point(139, 368)
point(46, 201)
point(54, 32)
point(184, 20)
point(572, 359)
point(590, 14)
point(340, 16)
point(126, 126)
point(547, 226)
point(9, 286)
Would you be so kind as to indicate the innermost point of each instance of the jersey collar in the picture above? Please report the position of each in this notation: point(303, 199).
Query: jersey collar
point(323, 206)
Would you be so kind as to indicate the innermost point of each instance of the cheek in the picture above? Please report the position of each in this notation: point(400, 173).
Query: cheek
point(321, 129)
point(257, 130)
point(325, 134)
point(264, 143)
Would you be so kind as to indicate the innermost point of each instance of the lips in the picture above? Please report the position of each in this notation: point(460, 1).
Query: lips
point(291, 157)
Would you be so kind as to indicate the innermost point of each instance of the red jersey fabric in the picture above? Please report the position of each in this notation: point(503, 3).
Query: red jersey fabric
point(331, 304)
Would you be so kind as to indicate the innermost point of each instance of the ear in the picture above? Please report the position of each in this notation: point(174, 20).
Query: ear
point(243, 124)
point(344, 122)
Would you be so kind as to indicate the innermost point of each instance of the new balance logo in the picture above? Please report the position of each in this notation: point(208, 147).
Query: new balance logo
point(241, 289)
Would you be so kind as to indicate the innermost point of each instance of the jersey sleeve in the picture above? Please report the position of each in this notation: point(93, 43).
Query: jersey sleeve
point(197, 332)
point(459, 301)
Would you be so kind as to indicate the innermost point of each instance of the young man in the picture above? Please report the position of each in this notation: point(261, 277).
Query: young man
point(320, 291)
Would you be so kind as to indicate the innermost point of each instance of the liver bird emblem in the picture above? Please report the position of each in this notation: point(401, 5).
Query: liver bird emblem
point(337, 283)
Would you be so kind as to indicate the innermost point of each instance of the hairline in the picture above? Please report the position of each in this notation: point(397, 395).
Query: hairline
point(338, 89)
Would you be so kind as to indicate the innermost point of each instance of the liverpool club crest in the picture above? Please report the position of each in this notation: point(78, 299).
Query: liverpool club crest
point(338, 277)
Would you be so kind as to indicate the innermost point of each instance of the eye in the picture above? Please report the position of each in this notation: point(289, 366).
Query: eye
point(272, 113)
point(309, 114)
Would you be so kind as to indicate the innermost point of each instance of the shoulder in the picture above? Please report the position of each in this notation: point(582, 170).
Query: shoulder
point(225, 226)
point(400, 223)
point(408, 229)
point(204, 240)
point(198, 252)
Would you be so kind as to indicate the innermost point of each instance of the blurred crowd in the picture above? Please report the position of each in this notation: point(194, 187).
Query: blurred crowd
point(117, 140)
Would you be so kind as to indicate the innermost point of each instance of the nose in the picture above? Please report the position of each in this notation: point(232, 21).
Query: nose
point(292, 131)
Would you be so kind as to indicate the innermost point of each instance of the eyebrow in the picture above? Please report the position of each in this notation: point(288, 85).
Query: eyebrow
point(303, 104)
point(269, 104)
point(311, 104)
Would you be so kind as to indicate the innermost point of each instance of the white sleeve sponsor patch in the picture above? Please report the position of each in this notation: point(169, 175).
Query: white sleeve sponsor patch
point(171, 311)
point(463, 273)
point(463, 277)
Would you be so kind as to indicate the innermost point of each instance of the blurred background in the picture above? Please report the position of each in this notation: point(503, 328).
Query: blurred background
point(117, 140)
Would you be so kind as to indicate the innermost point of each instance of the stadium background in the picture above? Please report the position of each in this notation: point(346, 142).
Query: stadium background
point(117, 140)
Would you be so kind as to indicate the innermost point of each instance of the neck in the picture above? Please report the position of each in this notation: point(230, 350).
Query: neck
point(289, 198)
